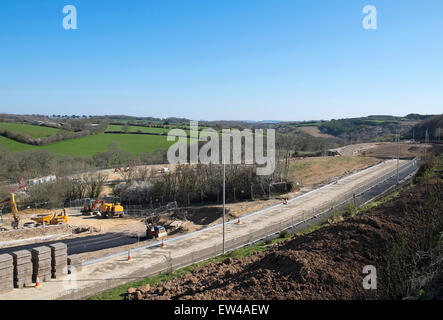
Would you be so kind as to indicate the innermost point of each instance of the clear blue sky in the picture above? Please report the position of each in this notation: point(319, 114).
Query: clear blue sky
point(222, 59)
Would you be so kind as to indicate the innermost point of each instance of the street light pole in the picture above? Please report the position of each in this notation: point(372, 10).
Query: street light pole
point(398, 153)
point(224, 204)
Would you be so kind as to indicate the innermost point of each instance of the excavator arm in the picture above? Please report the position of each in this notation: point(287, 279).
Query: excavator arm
point(14, 211)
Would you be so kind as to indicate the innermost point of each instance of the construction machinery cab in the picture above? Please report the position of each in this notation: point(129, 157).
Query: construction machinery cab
point(155, 231)
point(92, 208)
point(60, 218)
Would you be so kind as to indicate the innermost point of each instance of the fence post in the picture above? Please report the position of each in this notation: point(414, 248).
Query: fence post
point(252, 192)
point(170, 261)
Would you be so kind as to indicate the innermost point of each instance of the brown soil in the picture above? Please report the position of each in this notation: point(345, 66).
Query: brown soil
point(325, 264)
point(313, 171)
point(389, 150)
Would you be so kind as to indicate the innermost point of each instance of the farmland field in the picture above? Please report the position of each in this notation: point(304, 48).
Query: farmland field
point(149, 129)
point(31, 130)
point(137, 128)
point(88, 146)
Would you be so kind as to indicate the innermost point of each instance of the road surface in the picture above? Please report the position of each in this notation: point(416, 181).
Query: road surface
point(83, 244)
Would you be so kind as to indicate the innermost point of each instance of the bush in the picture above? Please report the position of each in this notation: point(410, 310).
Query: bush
point(284, 234)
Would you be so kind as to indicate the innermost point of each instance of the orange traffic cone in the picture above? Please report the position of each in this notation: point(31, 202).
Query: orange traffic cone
point(163, 244)
point(238, 221)
point(129, 255)
point(37, 281)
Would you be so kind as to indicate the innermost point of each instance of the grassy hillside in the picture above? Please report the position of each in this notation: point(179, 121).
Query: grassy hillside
point(88, 146)
point(138, 128)
point(33, 131)
point(163, 130)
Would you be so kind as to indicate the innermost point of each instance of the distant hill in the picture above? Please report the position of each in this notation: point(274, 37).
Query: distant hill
point(433, 125)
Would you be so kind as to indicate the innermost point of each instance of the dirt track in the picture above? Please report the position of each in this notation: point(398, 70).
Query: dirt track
point(325, 264)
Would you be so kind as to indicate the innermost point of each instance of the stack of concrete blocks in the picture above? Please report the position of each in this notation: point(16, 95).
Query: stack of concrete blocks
point(75, 262)
point(6, 273)
point(41, 263)
point(59, 255)
point(22, 268)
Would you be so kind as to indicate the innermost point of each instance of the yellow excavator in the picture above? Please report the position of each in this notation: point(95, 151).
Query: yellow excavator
point(14, 211)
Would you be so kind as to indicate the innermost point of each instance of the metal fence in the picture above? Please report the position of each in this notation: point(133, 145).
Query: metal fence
point(293, 224)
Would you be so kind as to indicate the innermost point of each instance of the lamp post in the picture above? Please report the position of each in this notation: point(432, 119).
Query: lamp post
point(398, 153)
point(224, 205)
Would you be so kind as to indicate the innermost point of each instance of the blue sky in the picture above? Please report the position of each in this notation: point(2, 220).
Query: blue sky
point(224, 59)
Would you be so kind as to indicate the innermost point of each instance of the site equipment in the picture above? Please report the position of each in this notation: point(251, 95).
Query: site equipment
point(53, 218)
point(14, 210)
point(111, 210)
point(155, 231)
point(92, 207)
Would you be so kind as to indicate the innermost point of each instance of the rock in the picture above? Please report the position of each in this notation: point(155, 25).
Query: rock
point(228, 261)
point(144, 289)
point(160, 290)
point(139, 295)
point(131, 290)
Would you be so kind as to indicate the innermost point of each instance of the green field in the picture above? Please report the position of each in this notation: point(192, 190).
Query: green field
point(137, 128)
point(31, 130)
point(148, 129)
point(88, 146)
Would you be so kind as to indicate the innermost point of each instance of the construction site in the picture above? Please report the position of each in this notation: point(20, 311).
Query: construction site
point(87, 239)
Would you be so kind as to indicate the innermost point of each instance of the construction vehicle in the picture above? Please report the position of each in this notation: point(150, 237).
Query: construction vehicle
point(92, 208)
point(155, 231)
point(111, 210)
point(14, 211)
point(52, 219)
